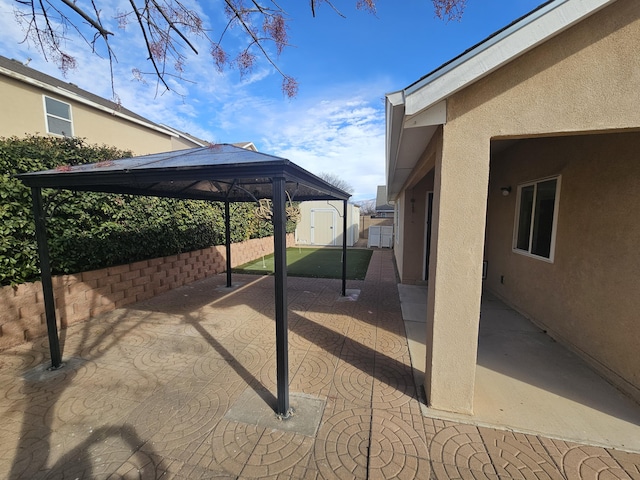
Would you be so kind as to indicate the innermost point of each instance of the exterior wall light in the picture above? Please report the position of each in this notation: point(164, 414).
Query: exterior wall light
point(505, 191)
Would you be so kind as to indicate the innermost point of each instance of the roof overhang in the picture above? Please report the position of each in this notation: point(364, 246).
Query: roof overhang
point(220, 172)
point(413, 114)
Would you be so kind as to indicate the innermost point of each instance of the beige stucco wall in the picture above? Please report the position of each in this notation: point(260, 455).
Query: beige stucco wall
point(586, 79)
point(23, 113)
point(398, 234)
point(104, 128)
point(409, 223)
point(180, 143)
point(411, 266)
point(588, 298)
point(22, 109)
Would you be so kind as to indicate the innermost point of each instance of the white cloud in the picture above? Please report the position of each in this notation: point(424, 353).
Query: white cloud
point(343, 136)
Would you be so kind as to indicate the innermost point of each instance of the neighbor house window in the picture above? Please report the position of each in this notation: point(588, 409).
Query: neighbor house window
point(536, 215)
point(58, 117)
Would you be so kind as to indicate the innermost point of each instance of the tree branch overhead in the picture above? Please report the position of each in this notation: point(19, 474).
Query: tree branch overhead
point(168, 27)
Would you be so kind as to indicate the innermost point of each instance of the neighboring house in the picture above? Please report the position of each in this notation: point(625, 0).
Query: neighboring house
point(383, 208)
point(246, 146)
point(321, 223)
point(36, 103)
point(523, 153)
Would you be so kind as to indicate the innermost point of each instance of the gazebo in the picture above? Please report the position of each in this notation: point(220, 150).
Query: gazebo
point(220, 172)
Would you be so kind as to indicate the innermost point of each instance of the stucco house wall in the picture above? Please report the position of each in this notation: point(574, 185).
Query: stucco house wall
point(411, 268)
point(580, 81)
point(581, 84)
point(588, 297)
point(22, 93)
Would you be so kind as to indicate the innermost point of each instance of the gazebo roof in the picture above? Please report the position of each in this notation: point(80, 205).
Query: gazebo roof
point(219, 172)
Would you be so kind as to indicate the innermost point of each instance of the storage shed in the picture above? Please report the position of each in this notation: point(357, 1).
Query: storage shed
point(321, 223)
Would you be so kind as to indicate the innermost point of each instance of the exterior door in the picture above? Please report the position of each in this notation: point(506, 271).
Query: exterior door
point(427, 234)
point(323, 223)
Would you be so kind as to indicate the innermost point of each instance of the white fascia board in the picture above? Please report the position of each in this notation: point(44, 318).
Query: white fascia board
point(395, 98)
point(394, 125)
point(77, 98)
point(509, 44)
point(434, 115)
point(181, 135)
point(395, 114)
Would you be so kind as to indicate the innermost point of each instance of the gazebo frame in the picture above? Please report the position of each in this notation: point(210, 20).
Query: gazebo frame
point(220, 172)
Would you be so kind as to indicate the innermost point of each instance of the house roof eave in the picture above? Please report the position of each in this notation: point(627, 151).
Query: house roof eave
point(535, 28)
point(413, 114)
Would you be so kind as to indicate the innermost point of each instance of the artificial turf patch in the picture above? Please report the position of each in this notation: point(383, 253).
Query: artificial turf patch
point(314, 262)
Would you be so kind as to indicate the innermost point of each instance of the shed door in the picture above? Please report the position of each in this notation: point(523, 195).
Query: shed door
point(323, 224)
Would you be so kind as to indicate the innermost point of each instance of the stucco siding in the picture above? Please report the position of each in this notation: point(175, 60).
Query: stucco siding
point(585, 79)
point(23, 113)
point(101, 127)
point(399, 234)
point(22, 109)
point(580, 91)
point(588, 297)
point(414, 231)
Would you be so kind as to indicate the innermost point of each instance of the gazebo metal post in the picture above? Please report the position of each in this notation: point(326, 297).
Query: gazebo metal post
point(47, 285)
point(280, 267)
point(227, 228)
point(344, 248)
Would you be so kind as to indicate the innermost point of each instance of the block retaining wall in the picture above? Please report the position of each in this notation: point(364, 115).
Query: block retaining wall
point(85, 295)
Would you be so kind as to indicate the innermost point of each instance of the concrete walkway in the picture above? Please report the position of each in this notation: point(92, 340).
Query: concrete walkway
point(527, 382)
point(166, 389)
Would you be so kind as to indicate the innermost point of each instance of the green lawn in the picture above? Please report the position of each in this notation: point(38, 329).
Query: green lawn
point(314, 262)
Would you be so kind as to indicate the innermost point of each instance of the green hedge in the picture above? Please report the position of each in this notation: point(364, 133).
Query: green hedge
point(90, 230)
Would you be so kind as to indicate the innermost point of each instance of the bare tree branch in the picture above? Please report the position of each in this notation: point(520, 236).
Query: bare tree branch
point(173, 27)
point(148, 44)
point(95, 24)
point(167, 26)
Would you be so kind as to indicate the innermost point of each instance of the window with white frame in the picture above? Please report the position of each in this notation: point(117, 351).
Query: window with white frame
point(58, 116)
point(536, 216)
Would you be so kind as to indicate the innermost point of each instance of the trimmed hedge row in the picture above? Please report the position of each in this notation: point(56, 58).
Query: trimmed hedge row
point(89, 230)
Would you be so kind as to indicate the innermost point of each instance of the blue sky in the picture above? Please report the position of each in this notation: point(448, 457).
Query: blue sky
point(344, 67)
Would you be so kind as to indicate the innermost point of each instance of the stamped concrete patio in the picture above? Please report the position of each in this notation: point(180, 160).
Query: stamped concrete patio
point(178, 386)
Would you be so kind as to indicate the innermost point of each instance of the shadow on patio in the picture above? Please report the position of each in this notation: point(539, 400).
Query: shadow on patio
point(147, 392)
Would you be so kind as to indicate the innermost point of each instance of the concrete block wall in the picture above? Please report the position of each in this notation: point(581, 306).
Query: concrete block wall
point(86, 295)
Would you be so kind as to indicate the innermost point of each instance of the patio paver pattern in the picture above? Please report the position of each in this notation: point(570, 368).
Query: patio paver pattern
point(145, 390)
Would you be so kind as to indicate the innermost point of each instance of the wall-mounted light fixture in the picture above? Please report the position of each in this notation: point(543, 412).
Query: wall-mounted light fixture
point(505, 190)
